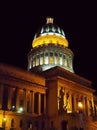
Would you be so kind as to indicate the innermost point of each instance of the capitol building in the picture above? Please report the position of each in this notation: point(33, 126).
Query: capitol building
point(49, 95)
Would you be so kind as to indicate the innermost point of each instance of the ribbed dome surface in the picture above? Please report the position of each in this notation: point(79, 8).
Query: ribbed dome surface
point(49, 28)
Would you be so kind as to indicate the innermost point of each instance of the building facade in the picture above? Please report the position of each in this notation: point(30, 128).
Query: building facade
point(48, 95)
point(22, 97)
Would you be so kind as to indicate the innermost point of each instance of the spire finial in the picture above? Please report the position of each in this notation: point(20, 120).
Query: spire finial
point(49, 20)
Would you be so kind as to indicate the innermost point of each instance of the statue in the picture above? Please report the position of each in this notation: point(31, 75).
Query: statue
point(62, 105)
point(61, 100)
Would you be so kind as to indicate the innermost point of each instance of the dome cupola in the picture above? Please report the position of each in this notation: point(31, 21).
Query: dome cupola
point(49, 33)
point(50, 29)
point(50, 49)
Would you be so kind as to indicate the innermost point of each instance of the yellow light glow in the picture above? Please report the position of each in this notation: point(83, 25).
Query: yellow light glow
point(20, 110)
point(69, 111)
point(4, 119)
point(50, 39)
point(80, 105)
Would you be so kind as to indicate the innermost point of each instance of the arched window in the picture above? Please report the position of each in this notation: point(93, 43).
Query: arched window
point(56, 58)
point(12, 123)
point(21, 123)
point(51, 58)
point(36, 98)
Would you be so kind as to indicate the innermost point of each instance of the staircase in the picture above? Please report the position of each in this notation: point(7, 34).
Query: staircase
point(91, 125)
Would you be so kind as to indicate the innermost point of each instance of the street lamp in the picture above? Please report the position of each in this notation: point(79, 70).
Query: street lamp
point(80, 105)
point(20, 110)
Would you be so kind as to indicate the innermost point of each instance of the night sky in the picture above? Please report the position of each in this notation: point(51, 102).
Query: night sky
point(19, 21)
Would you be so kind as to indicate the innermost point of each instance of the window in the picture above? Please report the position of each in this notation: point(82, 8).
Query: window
point(21, 103)
point(12, 123)
point(21, 123)
point(36, 103)
point(61, 59)
point(56, 58)
point(46, 58)
point(51, 58)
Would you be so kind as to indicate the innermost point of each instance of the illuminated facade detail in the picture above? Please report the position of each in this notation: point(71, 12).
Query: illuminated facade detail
point(50, 49)
point(20, 101)
point(50, 56)
point(50, 39)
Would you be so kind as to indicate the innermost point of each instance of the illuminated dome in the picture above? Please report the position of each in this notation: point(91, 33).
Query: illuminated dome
point(50, 49)
point(50, 33)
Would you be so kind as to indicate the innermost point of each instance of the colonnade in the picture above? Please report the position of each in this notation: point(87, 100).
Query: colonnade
point(23, 98)
point(74, 102)
point(85, 100)
point(51, 57)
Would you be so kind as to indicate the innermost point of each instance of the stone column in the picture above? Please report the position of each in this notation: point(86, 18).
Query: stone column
point(17, 99)
point(93, 105)
point(25, 100)
point(62, 60)
point(39, 103)
point(70, 101)
point(39, 59)
point(1, 94)
point(43, 58)
point(64, 98)
point(84, 105)
point(75, 103)
point(88, 107)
